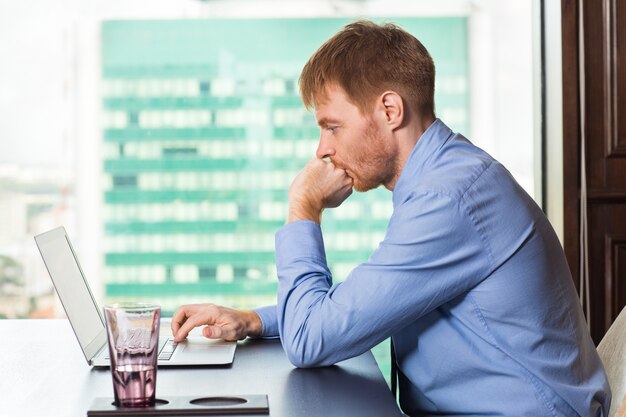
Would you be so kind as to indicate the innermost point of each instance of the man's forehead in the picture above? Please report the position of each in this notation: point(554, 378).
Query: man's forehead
point(326, 114)
point(321, 109)
point(334, 106)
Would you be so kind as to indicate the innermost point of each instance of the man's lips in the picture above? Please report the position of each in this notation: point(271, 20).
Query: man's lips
point(348, 173)
point(340, 166)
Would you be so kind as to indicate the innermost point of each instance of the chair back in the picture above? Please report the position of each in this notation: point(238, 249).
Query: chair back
point(612, 351)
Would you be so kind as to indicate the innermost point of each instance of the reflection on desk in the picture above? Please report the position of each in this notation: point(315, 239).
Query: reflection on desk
point(338, 387)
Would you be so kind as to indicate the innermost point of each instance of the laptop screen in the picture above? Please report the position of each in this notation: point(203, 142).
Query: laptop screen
point(70, 284)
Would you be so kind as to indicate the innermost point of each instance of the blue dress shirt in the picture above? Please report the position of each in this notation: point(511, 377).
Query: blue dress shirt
point(470, 281)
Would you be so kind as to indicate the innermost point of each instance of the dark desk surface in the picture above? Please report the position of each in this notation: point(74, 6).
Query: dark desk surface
point(44, 373)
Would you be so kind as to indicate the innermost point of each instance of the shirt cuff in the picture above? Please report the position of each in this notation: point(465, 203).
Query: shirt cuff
point(269, 321)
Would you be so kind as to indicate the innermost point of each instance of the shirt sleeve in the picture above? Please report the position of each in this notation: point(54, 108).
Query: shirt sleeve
point(432, 253)
point(268, 320)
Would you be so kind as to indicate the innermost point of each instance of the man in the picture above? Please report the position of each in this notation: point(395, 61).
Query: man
point(470, 281)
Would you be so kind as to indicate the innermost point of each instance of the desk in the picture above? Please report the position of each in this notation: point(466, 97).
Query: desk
point(44, 373)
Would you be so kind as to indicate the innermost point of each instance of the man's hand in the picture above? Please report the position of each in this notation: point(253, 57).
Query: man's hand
point(319, 185)
point(221, 322)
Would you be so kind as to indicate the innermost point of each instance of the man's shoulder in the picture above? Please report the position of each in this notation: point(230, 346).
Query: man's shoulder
point(453, 168)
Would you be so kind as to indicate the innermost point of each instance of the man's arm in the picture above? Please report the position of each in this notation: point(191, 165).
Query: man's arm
point(318, 186)
point(431, 254)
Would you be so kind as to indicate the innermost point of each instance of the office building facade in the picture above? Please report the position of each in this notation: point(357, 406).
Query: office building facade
point(203, 131)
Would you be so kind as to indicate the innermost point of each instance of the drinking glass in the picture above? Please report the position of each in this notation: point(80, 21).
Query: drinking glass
point(133, 335)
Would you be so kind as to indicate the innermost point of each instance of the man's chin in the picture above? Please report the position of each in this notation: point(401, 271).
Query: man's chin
point(361, 187)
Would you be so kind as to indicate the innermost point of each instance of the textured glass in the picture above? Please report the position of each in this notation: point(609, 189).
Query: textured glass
point(133, 335)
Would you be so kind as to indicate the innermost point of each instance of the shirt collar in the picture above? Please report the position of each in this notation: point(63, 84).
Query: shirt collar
point(431, 140)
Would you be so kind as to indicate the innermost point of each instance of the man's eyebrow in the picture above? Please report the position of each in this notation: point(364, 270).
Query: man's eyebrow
point(325, 121)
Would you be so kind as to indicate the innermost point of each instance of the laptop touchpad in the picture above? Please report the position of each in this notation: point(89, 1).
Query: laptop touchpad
point(202, 346)
point(202, 343)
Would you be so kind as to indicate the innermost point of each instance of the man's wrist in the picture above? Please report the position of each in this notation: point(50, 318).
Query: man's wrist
point(299, 212)
point(255, 325)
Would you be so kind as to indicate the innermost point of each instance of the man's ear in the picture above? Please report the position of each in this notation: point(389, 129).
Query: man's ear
point(393, 108)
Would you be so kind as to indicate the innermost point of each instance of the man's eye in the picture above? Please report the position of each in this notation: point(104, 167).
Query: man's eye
point(331, 129)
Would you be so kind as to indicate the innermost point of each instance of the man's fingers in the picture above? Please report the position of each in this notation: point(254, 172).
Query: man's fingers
point(181, 334)
point(218, 320)
point(206, 314)
point(192, 322)
point(212, 332)
point(178, 319)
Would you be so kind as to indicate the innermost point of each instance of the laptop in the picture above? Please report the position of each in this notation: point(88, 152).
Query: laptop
point(87, 318)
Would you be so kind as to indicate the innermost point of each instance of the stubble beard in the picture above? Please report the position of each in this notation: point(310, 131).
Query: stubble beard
point(376, 161)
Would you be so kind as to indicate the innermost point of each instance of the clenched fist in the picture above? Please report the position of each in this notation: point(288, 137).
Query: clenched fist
point(318, 186)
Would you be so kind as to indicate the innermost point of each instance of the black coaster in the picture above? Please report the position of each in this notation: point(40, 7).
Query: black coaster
point(186, 406)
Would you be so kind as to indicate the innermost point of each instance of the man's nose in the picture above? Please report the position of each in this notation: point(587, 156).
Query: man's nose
point(324, 150)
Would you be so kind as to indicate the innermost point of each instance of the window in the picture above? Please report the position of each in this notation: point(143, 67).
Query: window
point(167, 134)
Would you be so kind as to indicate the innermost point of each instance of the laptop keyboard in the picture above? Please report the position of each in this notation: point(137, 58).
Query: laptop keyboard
point(166, 350)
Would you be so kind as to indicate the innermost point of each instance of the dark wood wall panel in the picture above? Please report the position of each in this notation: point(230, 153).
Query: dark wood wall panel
point(605, 142)
point(571, 128)
point(595, 94)
point(599, 286)
point(615, 271)
point(607, 260)
point(615, 93)
point(617, 142)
